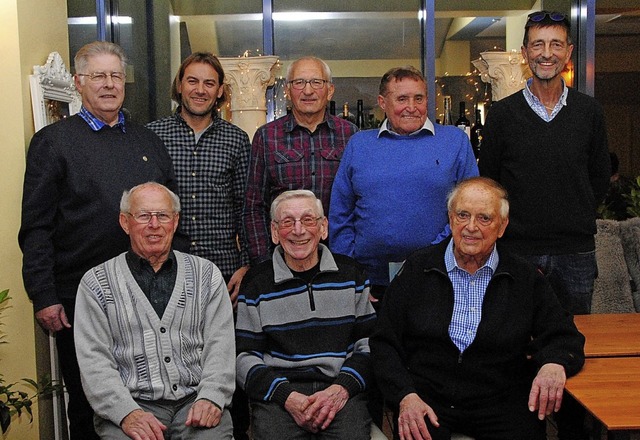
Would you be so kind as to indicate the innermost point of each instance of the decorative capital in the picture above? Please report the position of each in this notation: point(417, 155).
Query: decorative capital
point(505, 71)
point(248, 78)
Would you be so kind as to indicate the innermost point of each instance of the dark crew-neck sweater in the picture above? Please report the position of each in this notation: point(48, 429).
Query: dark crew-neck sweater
point(73, 183)
point(556, 172)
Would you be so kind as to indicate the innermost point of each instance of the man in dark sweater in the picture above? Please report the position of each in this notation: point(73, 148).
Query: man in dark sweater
point(76, 171)
point(471, 338)
point(548, 147)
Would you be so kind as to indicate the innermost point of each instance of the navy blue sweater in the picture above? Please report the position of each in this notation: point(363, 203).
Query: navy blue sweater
point(72, 187)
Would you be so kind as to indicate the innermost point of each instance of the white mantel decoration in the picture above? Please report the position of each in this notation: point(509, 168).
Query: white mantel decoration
point(505, 71)
point(248, 78)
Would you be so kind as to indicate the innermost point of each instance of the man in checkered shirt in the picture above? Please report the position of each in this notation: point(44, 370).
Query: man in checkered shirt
point(210, 157)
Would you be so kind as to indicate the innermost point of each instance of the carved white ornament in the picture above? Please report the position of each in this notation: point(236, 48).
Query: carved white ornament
point(505, 71)
point(53, 82)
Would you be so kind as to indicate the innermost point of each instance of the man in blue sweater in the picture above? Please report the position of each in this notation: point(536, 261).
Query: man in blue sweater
point(302, 336)
point(389, 195)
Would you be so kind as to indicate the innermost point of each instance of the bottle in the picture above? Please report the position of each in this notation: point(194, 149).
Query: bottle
point(332, 108)
point(345, 113)
point(476, 134)
point(463, 122)
point(447, 119)
point(360, 122)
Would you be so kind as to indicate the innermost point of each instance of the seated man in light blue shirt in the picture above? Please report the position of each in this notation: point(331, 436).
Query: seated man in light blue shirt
point(471, 338)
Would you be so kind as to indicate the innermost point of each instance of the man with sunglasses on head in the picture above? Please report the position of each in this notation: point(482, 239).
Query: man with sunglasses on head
point(302, 336)
point(547, 145)
point(76, 171)
point(301, 150)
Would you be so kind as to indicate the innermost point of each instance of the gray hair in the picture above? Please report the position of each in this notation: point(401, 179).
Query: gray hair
point(487, 183)
point(96, 48)
point(296, 194)
point(326, 70)
point(125, 201)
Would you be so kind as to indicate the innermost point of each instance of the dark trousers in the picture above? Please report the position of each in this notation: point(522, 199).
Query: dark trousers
point(79, 411)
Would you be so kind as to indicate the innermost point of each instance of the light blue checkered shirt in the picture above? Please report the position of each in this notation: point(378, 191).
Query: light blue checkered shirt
point(468, 294)
point(96, 124)
point(538, 107)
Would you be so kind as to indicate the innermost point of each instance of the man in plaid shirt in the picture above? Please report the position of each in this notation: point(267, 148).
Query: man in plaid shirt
point(210, 157)
point(298, 151)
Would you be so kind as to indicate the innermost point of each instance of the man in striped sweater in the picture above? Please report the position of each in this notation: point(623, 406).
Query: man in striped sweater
point(154, 332)
point(302, 335)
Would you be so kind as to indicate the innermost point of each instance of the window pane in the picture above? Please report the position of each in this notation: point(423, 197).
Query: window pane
point(360, 40)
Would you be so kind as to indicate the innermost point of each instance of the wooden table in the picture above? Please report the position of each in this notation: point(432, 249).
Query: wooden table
point(609, 388)
point(610, 334)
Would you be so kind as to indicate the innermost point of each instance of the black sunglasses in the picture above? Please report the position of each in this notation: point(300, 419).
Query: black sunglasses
point(537, 17)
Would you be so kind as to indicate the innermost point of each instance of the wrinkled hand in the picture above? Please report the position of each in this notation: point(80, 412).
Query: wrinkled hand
point(296, 405)
point(546, 390)
point(234, 284)
point(53, 318)
point(325, 405)
point(142, 425)
point(203, 414)
point(411, 424)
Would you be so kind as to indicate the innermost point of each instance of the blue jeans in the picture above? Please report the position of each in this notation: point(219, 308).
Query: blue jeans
point(571, 277)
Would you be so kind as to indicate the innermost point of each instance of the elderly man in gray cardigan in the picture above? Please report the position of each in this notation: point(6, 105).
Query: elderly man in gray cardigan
point(154, 332)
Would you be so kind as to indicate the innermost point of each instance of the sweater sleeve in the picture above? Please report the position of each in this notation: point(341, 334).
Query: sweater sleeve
point(356, 372)
point(39, 207)
point(491, 150)
point(555, 338)
point(342, 232)
point(218, 367)
point(599, 160)
point(101, 381)
point(253, 375)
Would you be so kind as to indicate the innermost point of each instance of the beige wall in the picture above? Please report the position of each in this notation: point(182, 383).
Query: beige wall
point(29, 30)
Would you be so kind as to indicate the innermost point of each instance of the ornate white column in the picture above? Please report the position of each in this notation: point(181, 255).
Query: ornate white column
point(248, 79)
point(505, 71)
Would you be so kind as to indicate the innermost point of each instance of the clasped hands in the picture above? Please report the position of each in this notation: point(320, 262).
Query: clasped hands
point(545, 398)
point(316, 412)
point(143, 425)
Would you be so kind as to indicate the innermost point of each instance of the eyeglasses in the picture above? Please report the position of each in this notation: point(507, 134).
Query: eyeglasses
point(463, 217)
point(101, 77)
point(144, 217)
point(299, 84)
point(537, 17)
point(289, 222)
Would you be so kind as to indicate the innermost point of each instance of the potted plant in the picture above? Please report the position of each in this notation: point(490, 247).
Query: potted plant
point(14, 402)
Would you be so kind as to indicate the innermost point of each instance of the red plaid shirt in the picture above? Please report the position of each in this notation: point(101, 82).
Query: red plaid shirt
point(286, 156)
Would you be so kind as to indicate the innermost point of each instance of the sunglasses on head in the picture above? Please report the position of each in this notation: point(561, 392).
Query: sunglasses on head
point(537, 17)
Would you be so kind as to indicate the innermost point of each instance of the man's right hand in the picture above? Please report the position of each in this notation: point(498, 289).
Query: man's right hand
point(53, 318)
point(411, 424)
point(296, 405)
point(142, 425)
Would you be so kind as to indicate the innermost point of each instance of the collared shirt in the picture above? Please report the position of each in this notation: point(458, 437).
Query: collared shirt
point(538, 107)
point(468, 294)
point(211, 173)
point(286, 156)
point(97, 124)
point(384, 127)
point(157, 286)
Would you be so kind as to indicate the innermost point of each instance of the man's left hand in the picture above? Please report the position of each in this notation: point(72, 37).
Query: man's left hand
point(326, 404)
point(234, 284)
point(546, 390)
point(203, 414)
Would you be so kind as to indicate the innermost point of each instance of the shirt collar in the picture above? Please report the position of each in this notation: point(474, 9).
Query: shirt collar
point(97, 124)
point(531, 98)
point(451, 263)
point(290, 123)
point(140, 262)
point(428, 126)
